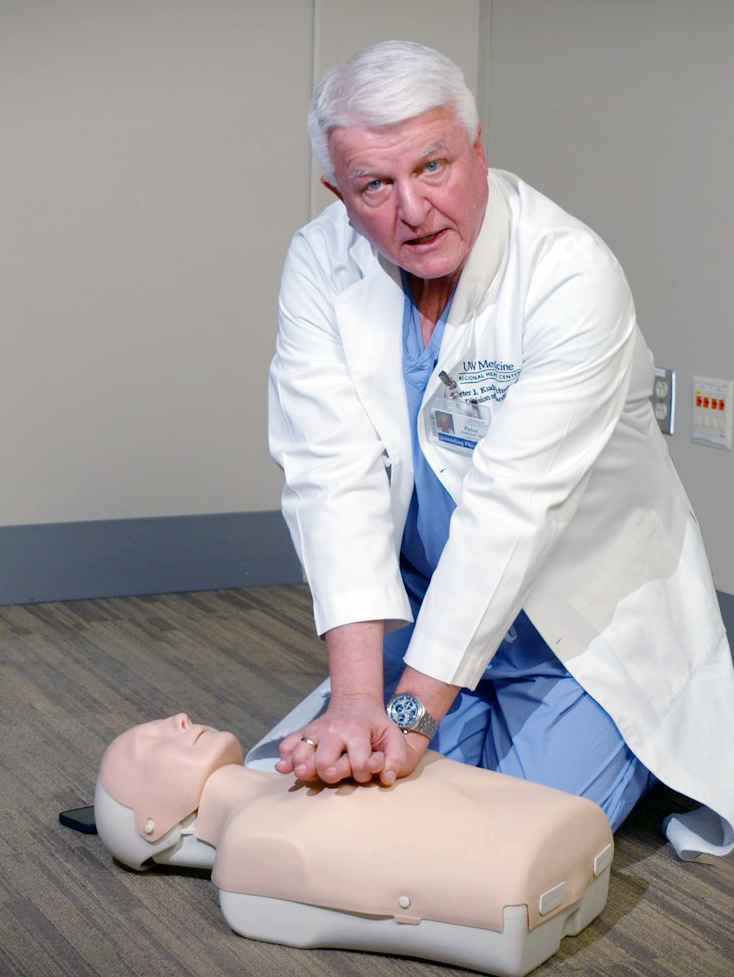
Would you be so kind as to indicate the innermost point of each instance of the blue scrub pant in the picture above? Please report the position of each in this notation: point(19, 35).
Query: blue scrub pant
point(530, 718)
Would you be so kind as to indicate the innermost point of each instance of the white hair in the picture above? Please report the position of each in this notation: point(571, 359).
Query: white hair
point(384, 85)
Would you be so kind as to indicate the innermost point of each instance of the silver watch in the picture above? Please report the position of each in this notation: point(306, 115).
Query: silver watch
point(410, 716)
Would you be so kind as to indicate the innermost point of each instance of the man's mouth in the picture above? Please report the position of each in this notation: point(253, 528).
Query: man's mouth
point(427, 239)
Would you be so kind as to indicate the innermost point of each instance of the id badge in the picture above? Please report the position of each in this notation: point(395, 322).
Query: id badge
point(456, 424)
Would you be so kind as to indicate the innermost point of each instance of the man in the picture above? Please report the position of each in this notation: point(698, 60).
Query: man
point(566, 627)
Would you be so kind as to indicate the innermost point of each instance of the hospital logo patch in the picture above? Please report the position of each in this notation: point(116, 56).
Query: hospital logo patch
point(482, 380)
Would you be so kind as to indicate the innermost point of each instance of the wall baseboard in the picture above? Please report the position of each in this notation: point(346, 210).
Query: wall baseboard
point(170, 554)
point(121, 557)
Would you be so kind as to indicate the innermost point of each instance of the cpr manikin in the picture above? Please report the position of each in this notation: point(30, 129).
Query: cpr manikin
point(495, 871)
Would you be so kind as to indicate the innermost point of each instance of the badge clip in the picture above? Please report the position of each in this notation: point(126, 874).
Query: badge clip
point(448, 382)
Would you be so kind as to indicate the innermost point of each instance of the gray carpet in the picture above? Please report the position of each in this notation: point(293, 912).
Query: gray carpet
point(74, 675)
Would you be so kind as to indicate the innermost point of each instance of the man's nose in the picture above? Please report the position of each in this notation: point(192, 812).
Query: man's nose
point(413, 205)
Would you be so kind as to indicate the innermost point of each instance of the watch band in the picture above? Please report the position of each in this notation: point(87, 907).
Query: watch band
point(426, 725)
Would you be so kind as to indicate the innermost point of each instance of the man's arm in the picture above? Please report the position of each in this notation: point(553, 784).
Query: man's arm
point(338, 507)
point(337, 498)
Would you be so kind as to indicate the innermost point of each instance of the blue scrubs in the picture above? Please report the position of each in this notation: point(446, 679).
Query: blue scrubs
point(528, 716)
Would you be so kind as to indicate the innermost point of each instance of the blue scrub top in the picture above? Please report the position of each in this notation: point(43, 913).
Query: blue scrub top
point(431, 506)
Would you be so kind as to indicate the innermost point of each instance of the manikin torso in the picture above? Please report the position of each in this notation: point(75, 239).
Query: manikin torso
point(334, 866)
point(340, 846)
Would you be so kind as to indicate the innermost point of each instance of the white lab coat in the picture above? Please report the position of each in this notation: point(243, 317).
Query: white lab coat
point(569, 508)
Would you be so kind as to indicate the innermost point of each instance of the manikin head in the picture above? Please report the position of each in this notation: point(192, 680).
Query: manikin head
point(158, 771)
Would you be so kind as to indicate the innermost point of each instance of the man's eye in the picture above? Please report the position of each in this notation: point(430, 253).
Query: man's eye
point(372, 186)
point(432, 166)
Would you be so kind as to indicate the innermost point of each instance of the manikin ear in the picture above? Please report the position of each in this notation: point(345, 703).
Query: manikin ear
point(330, 186)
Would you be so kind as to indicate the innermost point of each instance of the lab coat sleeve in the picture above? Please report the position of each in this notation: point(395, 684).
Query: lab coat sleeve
point(336, 499)
point(530, 470)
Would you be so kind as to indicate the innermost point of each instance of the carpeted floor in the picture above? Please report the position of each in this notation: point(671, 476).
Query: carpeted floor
point(72, 676)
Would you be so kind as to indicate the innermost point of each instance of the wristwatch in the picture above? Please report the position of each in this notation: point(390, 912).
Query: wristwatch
point(410, 716)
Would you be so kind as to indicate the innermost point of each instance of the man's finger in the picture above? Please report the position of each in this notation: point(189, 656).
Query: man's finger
point(305, 767)
point(375, 762)
point(395, 750)
point(287, 745)
point(334, 772)
point(297, 755)
point(360, 755)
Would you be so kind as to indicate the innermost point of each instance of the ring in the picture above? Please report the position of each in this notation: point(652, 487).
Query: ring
point(305, 739)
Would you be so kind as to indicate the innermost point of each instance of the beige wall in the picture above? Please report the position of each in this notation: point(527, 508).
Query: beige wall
point(155, 163)
point(622, 112)
point(154, 166)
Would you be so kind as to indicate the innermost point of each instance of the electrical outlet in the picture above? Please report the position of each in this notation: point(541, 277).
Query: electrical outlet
point(712, 412)
point(663, 398)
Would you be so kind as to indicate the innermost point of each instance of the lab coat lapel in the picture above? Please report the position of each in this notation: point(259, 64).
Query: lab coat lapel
point(478, 287)
point(476, 292)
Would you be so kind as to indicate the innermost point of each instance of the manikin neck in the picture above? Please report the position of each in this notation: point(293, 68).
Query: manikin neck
point(225, 793)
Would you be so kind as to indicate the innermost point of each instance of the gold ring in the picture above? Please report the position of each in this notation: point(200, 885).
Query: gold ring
point(305, 739)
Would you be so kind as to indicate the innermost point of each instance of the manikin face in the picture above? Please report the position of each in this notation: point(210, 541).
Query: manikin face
point(159, 769)
point(177, 743)
point(416, 190)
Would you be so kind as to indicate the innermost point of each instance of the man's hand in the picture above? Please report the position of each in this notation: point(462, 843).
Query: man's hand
point(354, 738)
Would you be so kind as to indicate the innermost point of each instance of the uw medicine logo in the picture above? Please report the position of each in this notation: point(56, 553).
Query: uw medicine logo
point(483, 380)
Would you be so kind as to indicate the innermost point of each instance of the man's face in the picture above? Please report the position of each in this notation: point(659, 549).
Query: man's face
point(416, 190)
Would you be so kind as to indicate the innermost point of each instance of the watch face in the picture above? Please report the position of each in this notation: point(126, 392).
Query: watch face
point(405, 710)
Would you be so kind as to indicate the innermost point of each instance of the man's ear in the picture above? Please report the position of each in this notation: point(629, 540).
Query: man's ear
point(330, 186)
point(478, 147)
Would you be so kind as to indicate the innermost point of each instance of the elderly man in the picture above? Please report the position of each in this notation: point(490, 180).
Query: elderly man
point(475, 483)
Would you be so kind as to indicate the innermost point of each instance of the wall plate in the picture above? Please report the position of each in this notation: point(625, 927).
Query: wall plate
point(711, 404)
point(663, 398)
